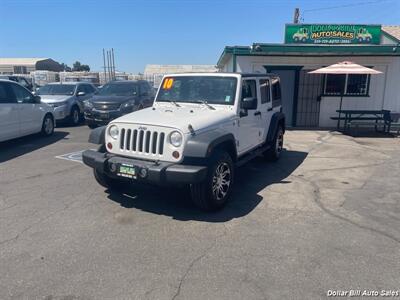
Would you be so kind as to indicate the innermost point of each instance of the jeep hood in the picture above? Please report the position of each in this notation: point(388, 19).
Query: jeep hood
point(54, 98)
point(200, 117)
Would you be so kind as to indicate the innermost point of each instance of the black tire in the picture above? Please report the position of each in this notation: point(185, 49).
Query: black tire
point(75, 116)
point(47, 125)
point(92, 125)
point(274, 153)
point(111, 184)
point(220, 168)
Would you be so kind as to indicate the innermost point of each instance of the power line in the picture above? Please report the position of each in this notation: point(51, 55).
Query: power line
point(345, 5)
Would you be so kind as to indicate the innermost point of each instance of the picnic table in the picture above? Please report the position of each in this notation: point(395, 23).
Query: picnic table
point(364, 117)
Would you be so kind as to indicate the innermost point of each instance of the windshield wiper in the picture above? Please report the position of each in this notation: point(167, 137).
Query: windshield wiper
point(205, 103)
point(174, 102)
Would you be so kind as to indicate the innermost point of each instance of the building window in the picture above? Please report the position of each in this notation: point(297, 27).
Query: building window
point(351, 85)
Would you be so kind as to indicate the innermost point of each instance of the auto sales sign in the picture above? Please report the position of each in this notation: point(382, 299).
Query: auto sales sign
point(332, 34)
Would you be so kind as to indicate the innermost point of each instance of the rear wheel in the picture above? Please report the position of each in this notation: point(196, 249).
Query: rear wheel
point(213, 193)
point(48, 125)
point(274, 153)
point(75, 116)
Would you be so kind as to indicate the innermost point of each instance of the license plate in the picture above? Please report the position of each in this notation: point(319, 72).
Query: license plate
point(104, 115)
point(127, 171)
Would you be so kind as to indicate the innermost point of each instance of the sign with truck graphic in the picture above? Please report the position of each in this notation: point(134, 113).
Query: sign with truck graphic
point(332, 34)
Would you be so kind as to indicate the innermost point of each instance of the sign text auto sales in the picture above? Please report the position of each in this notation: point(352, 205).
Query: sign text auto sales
point(332, 31)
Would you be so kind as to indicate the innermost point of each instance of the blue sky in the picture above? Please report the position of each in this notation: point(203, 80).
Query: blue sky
point(164, 31)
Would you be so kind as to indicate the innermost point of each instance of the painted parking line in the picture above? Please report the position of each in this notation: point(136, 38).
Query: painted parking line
point(73, 156)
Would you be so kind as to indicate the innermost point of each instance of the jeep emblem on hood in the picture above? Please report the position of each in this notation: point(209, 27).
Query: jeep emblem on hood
point(142, 128)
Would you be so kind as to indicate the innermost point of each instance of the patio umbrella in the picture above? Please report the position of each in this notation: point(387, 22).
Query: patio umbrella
point(345, 67)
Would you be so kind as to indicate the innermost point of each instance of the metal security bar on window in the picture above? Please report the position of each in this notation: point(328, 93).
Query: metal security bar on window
point(351, 84)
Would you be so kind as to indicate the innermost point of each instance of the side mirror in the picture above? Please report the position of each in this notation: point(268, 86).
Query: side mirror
point(249, 103)
point(81, 94)
point(36, 99)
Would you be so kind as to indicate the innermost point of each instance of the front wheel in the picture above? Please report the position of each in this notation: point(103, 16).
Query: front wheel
point(213, 193)
point(107, 182)
point(48, 125)
point(75, 116)
point(92, 125)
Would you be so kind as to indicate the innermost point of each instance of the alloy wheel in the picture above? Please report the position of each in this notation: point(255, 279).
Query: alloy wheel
point(75, 116)
point(221, 181)
point(48, 126)
point(279, 142)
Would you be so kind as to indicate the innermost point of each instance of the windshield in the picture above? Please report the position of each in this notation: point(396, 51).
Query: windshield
point(118, 89)
point(57, 89)
point(193, 89)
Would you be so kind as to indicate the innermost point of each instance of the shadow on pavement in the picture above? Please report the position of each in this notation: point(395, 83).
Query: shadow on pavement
point(250, 180)
point(17, 147)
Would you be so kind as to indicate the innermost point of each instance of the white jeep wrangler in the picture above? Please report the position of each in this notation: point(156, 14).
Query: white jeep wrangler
point(201, 126)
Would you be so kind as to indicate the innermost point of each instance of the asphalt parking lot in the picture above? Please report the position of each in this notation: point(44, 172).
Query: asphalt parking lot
point(325, 217)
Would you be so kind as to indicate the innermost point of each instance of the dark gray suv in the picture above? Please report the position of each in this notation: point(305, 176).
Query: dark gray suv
point(117, 98)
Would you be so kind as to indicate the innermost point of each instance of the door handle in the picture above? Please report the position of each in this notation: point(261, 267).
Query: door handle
point(257, 113)
point(269, 109)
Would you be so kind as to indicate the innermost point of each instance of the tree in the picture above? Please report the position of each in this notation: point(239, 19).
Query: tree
point(66, 68)
point(77, 66)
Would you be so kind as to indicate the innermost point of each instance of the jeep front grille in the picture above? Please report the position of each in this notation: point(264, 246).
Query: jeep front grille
point(142, 141)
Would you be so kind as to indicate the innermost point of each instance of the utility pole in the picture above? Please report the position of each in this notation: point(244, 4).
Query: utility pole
point(113, 62)
point(104, 65)
point(296, 15)
point(108, 66)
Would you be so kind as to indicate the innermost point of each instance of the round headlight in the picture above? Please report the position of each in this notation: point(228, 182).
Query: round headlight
point(113, 131)
point(175, 138)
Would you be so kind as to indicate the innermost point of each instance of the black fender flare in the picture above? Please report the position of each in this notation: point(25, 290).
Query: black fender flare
point(276, 119)
point(98, 135)
point(203, 144)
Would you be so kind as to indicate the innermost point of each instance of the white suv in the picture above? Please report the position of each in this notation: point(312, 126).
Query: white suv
point(21, 113)
point(199, 128)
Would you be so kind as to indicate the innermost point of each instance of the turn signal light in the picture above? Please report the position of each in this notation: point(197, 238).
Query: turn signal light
point(175, 154)
point(109, 146)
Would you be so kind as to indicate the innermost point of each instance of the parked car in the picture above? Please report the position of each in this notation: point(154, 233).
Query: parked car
point(200, 127)
point(20, 79)
point(67, 99)
point(116, 99)
point(22, 113)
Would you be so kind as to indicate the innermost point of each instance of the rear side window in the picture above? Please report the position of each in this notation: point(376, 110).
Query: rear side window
point(276, 92)
point(144, 88)
point(5, 95)
point(265, 91)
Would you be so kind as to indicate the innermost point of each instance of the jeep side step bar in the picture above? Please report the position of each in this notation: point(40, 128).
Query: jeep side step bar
point(252, 154)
